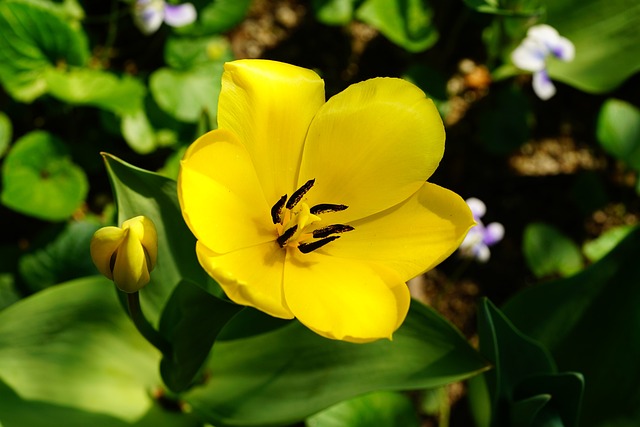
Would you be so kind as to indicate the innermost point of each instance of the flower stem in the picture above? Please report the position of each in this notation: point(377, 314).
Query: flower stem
point(143, 325)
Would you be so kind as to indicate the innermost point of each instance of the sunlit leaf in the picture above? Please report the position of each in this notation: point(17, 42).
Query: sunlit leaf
point(406, 23)
point(548, 251)
point(215, 17)
point(33, 40)
point(40, 180)
point(295, 373)
point(334, 12)
point(6, 132)
point(618, 131)
point(603, 244)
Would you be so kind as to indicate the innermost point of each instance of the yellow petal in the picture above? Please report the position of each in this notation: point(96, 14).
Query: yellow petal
point(130, 272)
point(145, 232)
point(344, 299)
point(250, 276)
point(103, 245)
point(372, 146)
point(412, 237)
point(270, 105)
point(220, 195)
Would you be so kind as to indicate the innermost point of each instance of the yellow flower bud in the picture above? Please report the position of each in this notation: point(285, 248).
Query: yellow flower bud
point(126, 255)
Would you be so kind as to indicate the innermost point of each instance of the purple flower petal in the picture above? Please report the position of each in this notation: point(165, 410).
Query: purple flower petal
point(542, 85)
point(148, 15)
point(477, 207)
point(180, 15)
point(493, 233)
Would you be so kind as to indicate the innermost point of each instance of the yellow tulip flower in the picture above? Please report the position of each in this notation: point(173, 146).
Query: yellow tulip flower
point(126, 254)
point(320, 210)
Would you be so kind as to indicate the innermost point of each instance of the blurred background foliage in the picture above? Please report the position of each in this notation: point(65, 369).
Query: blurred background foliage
point(78, 79)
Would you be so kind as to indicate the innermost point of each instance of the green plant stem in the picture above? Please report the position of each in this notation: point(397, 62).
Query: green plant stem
point(143, 325)
point(445, 411)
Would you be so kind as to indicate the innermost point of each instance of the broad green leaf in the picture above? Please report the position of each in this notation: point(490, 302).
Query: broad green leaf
point(523, 385)
point(523, 8)
point(188, 94)
point(548, 251)
point(140, 192)
point(606, 38)
point(69, 356)
point(599, 247)
point(6, 132)
point(215, 17)
point(40, 180)
point(183, 53)
point(334, 12)
point(406, 23)
point(138, 132)
point(289, 373)
point(618, 131)
point(191, 322)
point(384, 408)
point(65, 258)
point(34, 40)
point(590, 324)
point(84, 86)
point(8, 292)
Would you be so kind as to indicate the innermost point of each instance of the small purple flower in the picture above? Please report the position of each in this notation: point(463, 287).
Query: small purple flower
point(541, 42)
point(148, 15)
point(480, 237)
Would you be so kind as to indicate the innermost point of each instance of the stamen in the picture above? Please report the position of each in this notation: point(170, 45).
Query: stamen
point(327, 207)
point(299, 193)
point(276, 210)
point(305, 248)
point(331, 229)
point(282, 240)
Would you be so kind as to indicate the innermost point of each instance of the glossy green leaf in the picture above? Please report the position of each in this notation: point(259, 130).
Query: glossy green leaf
point(334, 12)
point(406, 23)
point(40, 180)
point(523, 387)
point(289, 373)
point(33, 40)
point(590, 324)
point(384, 408)
point(191, 322)
point(138, 132)
point(6, 132)
point(64, 258)
point(215, 17)
point(84, 86)
point(70, 356)
point(188, 94)
point(548, 251)
point(140, 192)
point(597, 248)
point(606, 38)
point(618, 131)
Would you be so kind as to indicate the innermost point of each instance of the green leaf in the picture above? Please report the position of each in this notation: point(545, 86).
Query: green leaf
point(590, 321)
point(191, 322)
point(596, 249)
point(187, 95)
point(138, 132)
point(33, 40)
point(334, 12)
point(521, 8)
point(64, 258)
point(183, 53)
point(548, 251)
point(406, 23)
point(295, 373)
point(215, 17)
point(40, 179)
point(69, 354)
point(84, 86)
point(618, 131)
point(605, 35)
point(140, 192)
point(523, 386)
point(383, 408)
point(6, 131)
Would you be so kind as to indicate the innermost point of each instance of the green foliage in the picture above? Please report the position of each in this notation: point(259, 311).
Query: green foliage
point(34, 40)
point(603, 244)
point(548, 251)
point(295, 373)
point(526, 8)
point(371, 410)
point(5, 133)
point(334, 12)
point(618, 131)
point(215, 17)
point(524, 388)
point(605, 35)
point(40, 179)
point(589, 321)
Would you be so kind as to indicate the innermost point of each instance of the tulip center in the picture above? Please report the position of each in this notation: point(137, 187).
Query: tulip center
point(294, 221)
